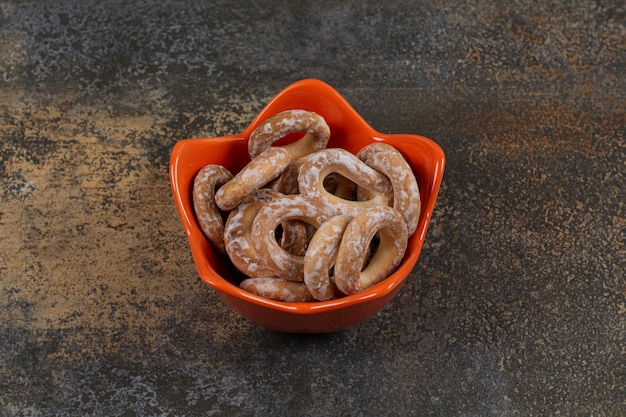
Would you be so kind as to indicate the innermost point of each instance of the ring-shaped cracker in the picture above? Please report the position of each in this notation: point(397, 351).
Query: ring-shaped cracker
point(237, 234)
point(206, 182)
point(282, 263)
point(406, 194)
point(277, 289)
point(286, 122)
point(268, 162)
point(320, 258)
point(382, 221)
point(319, 165)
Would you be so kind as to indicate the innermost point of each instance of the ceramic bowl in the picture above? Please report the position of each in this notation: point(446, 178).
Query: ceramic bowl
point(349, 131)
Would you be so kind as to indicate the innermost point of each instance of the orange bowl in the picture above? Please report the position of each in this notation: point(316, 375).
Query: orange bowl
point(349, 131)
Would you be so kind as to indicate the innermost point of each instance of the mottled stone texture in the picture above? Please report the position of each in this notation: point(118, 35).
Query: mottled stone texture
point(517, 306)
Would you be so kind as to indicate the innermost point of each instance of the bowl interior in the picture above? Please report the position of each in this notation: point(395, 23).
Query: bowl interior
point(348, 131)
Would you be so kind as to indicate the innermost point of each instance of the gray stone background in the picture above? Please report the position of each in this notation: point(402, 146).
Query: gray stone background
point(517, 306)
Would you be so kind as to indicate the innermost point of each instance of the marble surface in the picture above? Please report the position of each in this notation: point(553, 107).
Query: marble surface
point(517, 306)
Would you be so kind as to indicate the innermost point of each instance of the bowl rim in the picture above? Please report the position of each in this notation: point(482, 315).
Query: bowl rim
point(198, 243)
